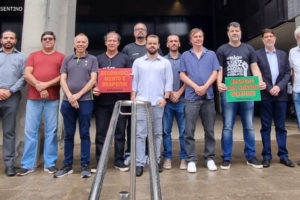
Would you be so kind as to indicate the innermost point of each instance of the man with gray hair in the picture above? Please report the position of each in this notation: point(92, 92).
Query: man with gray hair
point(105, 102)
point(78, 77)
point(294, 59)
point(11, 81)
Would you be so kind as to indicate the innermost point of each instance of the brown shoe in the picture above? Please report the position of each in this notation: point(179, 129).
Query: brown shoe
point(167, 164)
point(183, 164)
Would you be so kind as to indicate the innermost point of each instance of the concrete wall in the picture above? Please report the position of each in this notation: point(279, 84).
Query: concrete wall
point(293, 8)
point(42, 15)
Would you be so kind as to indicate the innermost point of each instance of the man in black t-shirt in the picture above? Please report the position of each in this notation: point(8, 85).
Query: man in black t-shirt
point(104, 102)
point(237, 59)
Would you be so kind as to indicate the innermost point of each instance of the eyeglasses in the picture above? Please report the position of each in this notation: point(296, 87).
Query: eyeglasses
point(139, 29)
point(48, 38)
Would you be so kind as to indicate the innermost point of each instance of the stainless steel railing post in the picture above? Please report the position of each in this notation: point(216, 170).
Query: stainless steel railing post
point(133, 151)
point(154, 175)
point(102, 165)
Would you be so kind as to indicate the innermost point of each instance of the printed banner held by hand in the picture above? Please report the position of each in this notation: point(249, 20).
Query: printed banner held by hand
point(117, 80)
point(242, 89)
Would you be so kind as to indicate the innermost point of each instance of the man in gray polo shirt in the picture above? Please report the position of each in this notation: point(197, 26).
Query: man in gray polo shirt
point(155, 71)
point(78, 76)
point(12, 64)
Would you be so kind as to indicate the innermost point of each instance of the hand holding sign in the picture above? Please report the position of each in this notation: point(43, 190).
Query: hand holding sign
point(96, 91)
point(262, 85)
point(222, 87)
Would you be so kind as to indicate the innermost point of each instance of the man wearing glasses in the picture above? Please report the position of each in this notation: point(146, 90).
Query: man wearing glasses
point(138, 48)
point(42, 75)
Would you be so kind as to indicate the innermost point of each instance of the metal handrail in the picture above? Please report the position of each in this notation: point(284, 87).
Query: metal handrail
point(102, 165)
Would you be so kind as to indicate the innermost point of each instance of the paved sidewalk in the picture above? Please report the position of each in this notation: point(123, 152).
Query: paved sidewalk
point(240, 182)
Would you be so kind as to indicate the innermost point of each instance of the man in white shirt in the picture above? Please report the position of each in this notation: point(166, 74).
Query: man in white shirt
point(294, 58)
point(155, 71)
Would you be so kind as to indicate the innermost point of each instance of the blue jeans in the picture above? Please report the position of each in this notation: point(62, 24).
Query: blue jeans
point(204, 108)
point(229, 112)
point(171, 110)
point(34, 110)
point(273, 109)
point(84, 115)
point(297, 106)
point(141, 133)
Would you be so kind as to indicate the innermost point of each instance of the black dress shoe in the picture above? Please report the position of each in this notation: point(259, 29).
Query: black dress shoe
point(266, 163)
point(287, 162)
point(160, 167)
point(298, 162)
point(139, 170)
point(10, 171)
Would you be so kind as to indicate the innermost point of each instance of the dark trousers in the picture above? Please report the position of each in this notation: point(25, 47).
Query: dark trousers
point(128, 132)
point(84, 115)
point(206, 110)
point(273, 109)
point(8, 112)
point(103, 115)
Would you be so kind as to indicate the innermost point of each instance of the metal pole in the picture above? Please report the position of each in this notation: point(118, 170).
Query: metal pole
point(102, 165)
point(133, 151)
point(123, 195)
point(154, 175)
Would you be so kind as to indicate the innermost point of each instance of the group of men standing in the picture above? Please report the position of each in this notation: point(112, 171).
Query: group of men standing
point(177, 85)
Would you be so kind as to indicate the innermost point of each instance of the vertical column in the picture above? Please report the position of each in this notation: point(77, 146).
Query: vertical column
point(44, 15)
point(297, 20)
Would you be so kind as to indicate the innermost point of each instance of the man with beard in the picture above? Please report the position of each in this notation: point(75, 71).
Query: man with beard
point(12, 64)
point(276, 72)
point(174, 106)
point(237, 59)
point(138, 48)
point(42, 75)
point(155, 71)
point(135, 50)
point(105, 102)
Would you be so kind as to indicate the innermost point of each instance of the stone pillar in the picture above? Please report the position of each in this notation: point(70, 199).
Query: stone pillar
point(44, 15)
point(297, 21)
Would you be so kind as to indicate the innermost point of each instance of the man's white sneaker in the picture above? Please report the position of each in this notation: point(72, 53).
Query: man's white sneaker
point(211, 165)
point(191, 168)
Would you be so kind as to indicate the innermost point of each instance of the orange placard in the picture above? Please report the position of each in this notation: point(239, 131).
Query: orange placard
point(117, 80)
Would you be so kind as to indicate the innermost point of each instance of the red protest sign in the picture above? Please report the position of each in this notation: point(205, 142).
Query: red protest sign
point(117, 80)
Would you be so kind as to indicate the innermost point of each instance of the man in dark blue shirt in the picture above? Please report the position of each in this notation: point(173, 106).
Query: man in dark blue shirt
point(174, 106)
point(104, 102)
point(199, 67)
